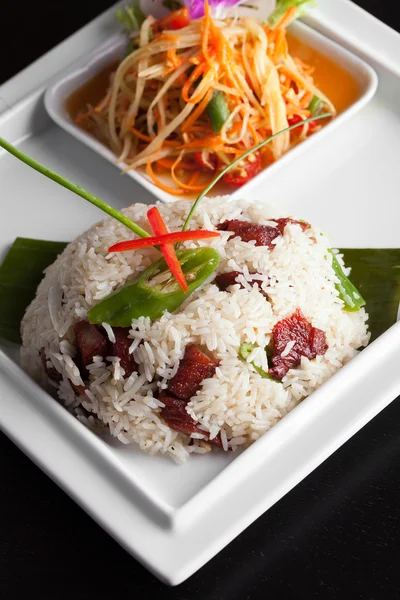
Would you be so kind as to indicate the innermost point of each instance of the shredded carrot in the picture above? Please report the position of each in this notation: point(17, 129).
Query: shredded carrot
point(194, 177)
point(280, 44)
point(198, 71)
point(213, 142)
point(173, 59)
point(82, 116)
point(168, 163)
point(186, 186)
point(147, 138)
point(166, 37)
point(197, 112)
point(253, 133)
point(289, 15)
point(207, 24)
point(161, 185)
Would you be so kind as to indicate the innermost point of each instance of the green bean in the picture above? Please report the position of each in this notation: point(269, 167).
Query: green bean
point(244, 352)
point(315, 106)
point(218, 111)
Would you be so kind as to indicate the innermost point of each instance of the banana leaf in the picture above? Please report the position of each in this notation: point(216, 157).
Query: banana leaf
point(20, 274)
point(375, 272)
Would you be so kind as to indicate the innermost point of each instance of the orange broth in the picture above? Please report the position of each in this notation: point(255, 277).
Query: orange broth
point(331, 78)
point(90, 92)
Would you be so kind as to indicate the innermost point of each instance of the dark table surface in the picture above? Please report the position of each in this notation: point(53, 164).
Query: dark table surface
point(334, 536)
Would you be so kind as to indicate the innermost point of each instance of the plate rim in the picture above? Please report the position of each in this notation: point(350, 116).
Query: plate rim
point(171, 575)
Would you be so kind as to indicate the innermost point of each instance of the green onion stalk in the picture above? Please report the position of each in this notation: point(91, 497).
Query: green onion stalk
point(243, 156)
point(143, 296)
point(34, 164)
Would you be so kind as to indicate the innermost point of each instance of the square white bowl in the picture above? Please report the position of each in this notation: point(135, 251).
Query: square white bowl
point(173, 519)
point(89, 65)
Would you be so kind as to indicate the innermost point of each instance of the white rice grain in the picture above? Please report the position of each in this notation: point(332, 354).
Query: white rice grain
point(237, 403)
point(109, 331)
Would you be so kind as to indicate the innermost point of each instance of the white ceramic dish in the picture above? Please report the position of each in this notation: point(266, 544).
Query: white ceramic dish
point(174, 519)
point(90, 65)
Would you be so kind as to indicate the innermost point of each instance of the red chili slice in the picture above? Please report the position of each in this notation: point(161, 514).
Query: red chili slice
point(309, 342)
point(168, 250)
point(238, 176)
point(167, 238)
point(178, 19)
point(312, 125)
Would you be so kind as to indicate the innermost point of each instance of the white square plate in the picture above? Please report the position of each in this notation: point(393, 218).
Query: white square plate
point(173, 519)
point(87, 66)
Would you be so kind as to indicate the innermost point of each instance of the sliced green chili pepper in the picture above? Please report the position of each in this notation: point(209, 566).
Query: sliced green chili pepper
point(315, 106)
point(218, 111)
point(150, 294)
point(244, 352)
point(351, 297)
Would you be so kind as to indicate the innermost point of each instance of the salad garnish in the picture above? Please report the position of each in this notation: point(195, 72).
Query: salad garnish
point(192, 94)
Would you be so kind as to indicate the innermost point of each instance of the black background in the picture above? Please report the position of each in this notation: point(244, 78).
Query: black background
point(334, 536)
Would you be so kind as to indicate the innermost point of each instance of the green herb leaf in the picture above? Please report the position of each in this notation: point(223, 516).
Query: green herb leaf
point(283, 5)
point(20, 274)
point(76, 189)
point(131, 17)
point(376, 273)
point(348, 292)
point(244, 352)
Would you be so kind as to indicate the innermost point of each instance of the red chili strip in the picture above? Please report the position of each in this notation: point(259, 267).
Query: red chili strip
point(167, 238)
point(168, 250)
point(178, 19)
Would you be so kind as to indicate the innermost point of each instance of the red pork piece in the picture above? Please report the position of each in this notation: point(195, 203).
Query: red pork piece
point(175, 415)
point(225, 280)
point(51, 372)
point(262, 234)
point(281, 224)
point(91, 342)
point(120, 348)
point(55, 376)
point(309, 341)
point(80, 390)
point(193, 368)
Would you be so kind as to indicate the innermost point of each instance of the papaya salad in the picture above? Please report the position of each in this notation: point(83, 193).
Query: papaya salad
point(193, 94)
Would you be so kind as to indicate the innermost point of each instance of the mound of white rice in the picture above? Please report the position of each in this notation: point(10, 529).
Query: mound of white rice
point(237, 401)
